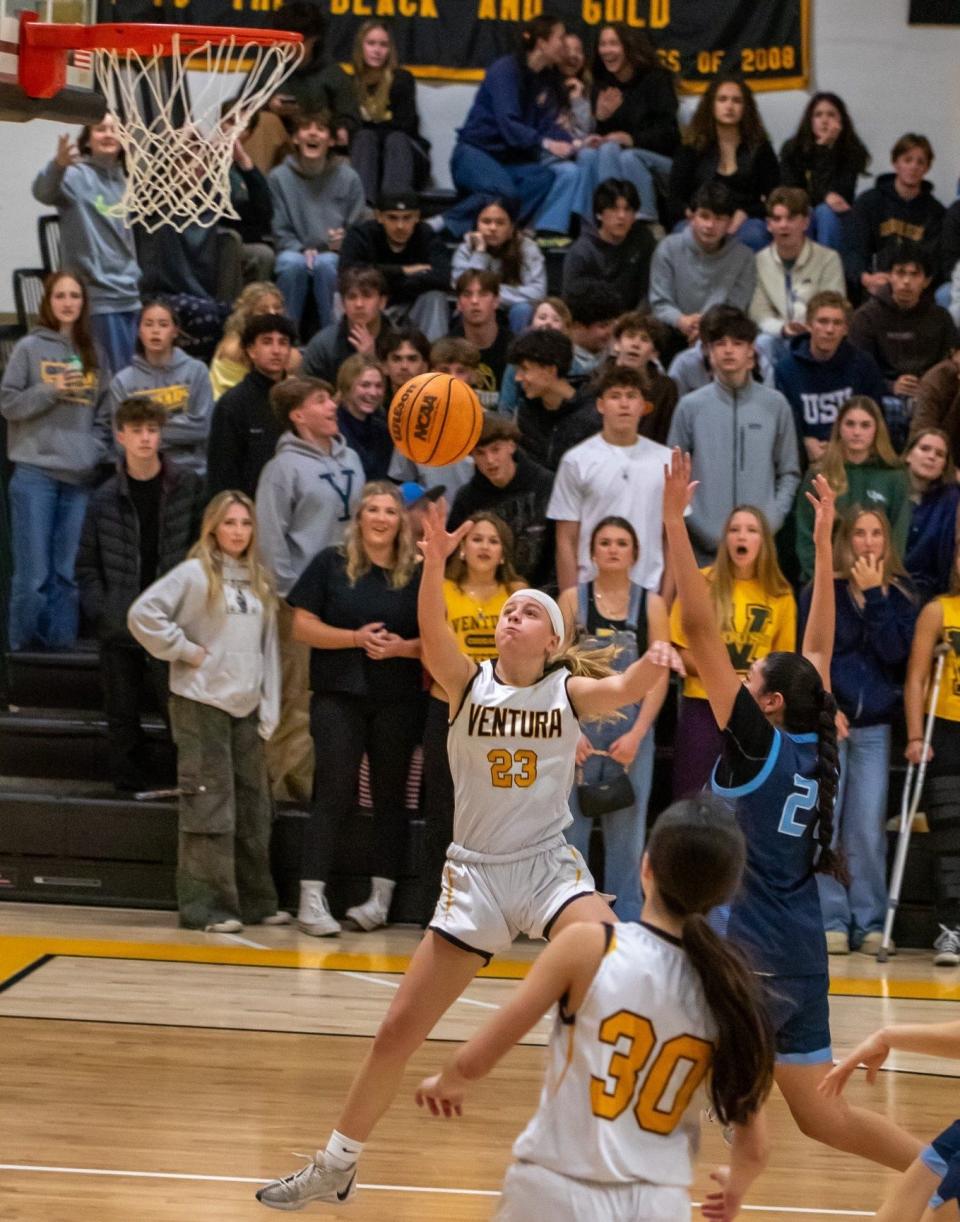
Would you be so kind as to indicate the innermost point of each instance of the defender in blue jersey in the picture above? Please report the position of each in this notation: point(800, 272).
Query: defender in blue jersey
point(778, 768)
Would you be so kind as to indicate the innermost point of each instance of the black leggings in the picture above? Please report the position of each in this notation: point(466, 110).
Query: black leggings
point(941, 801)
point(343, 728)
point(437, 804)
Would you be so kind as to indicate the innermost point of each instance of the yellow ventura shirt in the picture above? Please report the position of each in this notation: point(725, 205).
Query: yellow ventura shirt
point(474, 623)
point(761, 624)
point(948, 701)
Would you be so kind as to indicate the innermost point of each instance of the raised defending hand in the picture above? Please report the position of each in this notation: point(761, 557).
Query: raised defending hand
point(678, 489)
point(871, 1054)
point(438, 543)
point(442, 1094)
point(824, 501)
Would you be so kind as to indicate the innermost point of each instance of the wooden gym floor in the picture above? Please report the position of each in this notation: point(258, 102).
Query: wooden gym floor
point(152, 1074)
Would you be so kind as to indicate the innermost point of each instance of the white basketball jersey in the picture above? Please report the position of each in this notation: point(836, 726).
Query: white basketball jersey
point(512, 757)
point(622, 1095)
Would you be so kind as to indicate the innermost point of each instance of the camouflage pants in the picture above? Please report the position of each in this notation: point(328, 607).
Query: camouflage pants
point(223, 859)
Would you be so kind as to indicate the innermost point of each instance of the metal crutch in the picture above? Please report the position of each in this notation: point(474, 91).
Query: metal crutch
point(909, 805)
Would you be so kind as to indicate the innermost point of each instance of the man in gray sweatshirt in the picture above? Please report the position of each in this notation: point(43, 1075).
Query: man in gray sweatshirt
point(315, 198)
point(701, 266)
point(742, 439)
point(306, 496)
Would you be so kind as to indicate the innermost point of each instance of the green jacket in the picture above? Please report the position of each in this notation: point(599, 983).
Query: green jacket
point(869, 485)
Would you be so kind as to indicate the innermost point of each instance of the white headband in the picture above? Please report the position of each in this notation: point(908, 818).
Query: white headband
point(548, 604)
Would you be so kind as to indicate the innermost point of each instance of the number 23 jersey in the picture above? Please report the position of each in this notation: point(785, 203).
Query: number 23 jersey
point(622, 1098)
point(512, 758)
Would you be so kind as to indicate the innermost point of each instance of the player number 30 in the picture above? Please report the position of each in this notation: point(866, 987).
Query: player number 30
point(668, 1084)
point(512, 768)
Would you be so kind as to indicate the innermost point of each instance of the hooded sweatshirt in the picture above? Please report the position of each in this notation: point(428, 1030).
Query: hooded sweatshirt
point(306, 206)
point(744, 447)
point(65, 434)
point(514, 111)
point(909, 340)
point(305, 498)
point(816, 390)
point(625, 266)
point(547, 433)
point(98, 245)
point(870, 484)
point(182, 388)
point(224, 654)
point(882, 219)
point(686, 279)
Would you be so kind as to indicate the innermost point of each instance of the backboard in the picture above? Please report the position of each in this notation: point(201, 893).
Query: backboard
point(78, 102)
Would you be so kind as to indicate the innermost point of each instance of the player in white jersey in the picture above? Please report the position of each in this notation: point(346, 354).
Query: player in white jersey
point(648, 1015)
point(512, 746)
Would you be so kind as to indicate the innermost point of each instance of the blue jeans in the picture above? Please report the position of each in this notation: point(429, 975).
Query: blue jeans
point(115, 336)
point(557, 208)
point(294, 279)
point(639, 166)
point(46, 518)
point(624, 834)
point(833, 229)
point(520, 314)
point(860, 820)
point(481, 177)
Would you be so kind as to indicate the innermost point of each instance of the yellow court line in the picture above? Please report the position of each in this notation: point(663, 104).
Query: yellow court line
point(20, 951)
point(17, 952)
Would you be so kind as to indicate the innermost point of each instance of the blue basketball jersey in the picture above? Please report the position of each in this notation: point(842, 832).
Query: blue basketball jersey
point(775, 916)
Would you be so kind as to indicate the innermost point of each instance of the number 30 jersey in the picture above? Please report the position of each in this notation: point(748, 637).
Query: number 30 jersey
point(622, 1097)
point(512, 757)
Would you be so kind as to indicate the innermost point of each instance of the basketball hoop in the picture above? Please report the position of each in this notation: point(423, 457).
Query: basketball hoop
point(178, 149)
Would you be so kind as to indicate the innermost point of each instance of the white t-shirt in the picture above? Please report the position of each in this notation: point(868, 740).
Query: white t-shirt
point(596, 480)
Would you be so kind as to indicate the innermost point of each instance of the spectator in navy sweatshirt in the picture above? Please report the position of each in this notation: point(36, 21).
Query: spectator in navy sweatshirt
point(618, 251)
point(932, 540)
point(511, 126)
point(876, 611)
point(823, 370)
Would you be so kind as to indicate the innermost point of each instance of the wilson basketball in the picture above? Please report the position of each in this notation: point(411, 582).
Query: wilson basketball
point(435, 419)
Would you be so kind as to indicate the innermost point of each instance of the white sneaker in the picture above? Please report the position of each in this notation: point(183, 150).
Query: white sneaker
point(314, 916)
point(872, 942)
point(374, 912)
point(228, 926)
point(277, 918)
point(947, 947)
point(314, 1182)
point(837, 942)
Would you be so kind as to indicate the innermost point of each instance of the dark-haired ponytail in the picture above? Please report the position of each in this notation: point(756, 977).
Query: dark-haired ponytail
point(830, 861)
point(742, 1073)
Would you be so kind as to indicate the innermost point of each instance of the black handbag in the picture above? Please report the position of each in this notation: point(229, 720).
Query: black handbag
point(605, 796)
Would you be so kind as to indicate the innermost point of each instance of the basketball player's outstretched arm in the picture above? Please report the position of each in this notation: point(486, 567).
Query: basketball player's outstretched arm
point(600, 697)
point(933, 1039)
point(565, 967)
point(439, 650)
point(821, 623)
point(696, 607)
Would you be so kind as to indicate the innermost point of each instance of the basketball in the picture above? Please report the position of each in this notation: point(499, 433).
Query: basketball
point(435, 419)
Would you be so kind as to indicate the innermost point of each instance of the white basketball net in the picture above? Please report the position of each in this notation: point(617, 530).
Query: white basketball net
point(178, 146)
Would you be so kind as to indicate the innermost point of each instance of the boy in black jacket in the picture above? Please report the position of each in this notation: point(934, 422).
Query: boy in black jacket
point(139, 524)
point(409, 256)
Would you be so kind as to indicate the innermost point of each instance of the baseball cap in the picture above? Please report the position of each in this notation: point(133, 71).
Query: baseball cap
point(398, 201)
point(413, 493)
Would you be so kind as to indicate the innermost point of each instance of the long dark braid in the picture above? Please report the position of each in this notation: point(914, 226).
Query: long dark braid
point(809, 708)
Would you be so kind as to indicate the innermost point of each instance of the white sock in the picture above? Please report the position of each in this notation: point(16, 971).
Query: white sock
point(342, 1152)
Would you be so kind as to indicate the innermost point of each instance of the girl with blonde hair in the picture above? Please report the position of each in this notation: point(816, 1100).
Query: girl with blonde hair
point(876, 611)
point(388, 151)
point(230, 364)
point(213, 618)
point(355, 605)
point(756, 613)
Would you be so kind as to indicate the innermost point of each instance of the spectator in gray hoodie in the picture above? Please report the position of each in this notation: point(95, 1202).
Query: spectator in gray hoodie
point(178, 383)
point(315, 199)
point(83, 181)
point(741, 436)
point(213, 619)
point(701, 266)
point(51, 398)
point(305, 498)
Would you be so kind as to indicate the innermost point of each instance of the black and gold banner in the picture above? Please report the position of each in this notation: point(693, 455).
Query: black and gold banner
point(935, 12)
point(767, 40)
